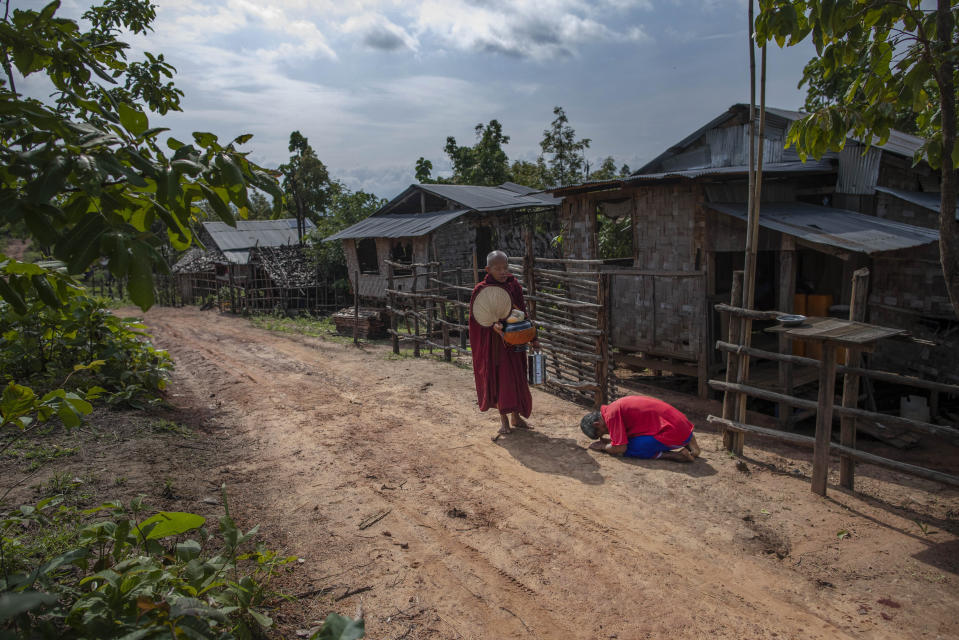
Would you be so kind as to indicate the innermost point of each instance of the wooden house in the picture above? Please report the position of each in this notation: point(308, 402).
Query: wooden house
point(456, 225)
point(820, 220)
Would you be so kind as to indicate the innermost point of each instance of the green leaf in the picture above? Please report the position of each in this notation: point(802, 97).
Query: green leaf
point(186, 551)
point(13, 604)
point(204, 138)
point(45, 291)
point(71, 419)
point(172, 523)
point(16, 400)
point(219, 207)
point(140, 284)
point(10, 295)
point(262, 620)
point(132, 119)
point(337, 627)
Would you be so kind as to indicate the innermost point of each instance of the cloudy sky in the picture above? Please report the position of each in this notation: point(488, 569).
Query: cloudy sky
point(375, 84)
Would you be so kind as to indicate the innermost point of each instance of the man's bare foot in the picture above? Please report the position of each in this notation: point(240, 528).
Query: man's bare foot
point(693, 446)
point(680, 455)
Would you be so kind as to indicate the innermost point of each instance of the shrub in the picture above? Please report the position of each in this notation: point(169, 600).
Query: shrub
point(83, 344)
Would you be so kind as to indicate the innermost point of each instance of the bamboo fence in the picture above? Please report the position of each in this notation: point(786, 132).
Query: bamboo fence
point(566, 301)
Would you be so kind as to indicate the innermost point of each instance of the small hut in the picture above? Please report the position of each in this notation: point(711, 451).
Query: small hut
point(226, 259)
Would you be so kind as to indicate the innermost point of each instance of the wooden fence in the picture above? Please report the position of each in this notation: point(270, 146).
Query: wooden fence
point(566, 299)
point(737, 389)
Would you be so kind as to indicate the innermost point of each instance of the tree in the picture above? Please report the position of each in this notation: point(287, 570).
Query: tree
point(606, 171)
point(904, 56)
point(307, 183)
point(424, 170)
point(346, 208)
point(826, 87)
point(529, 174)
point(86, 174)
point(485, 163)
point(567, 161)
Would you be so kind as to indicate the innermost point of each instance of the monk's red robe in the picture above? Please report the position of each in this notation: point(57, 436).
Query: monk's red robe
point(499, 372)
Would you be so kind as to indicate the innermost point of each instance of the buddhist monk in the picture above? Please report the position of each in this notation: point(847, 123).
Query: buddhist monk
point(641, 427)
point(498, 370)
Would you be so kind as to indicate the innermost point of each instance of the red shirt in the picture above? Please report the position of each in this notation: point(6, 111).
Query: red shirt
point(645, 416)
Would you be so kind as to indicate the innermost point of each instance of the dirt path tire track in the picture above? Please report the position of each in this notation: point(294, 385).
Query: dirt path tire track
point(556, 543)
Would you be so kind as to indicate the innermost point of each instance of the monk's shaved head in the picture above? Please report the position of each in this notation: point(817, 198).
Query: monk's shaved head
point(496, 256)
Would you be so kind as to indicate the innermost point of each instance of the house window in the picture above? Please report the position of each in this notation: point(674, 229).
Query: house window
point(366, 256)
point(484, 244)
point(403, 253)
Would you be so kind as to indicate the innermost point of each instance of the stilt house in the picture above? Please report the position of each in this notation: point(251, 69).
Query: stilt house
point(820, 220)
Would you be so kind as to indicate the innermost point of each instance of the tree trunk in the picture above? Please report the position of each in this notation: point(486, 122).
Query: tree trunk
point(948, 224)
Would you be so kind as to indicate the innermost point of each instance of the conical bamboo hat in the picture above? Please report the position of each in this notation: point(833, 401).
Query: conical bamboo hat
point(491, 304)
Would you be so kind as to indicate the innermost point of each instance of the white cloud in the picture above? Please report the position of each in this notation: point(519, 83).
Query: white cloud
point(539, 29)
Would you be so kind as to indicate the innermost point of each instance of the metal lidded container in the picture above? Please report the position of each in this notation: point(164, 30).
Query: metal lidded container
point(536, 367)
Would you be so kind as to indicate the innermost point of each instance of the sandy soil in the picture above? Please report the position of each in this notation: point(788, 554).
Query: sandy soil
point(533, 536)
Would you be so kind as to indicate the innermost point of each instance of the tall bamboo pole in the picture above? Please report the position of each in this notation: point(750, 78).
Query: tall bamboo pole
point(755, 194)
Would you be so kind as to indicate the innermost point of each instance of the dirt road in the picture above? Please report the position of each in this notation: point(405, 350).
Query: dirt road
point(533, 536)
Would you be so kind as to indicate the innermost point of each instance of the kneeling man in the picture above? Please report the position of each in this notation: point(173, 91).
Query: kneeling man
point(641, 427)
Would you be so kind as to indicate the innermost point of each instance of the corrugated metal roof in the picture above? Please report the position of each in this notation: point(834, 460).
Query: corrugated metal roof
point(926, 199)
point(488, 198)
point(235, 242)
point(835, 227)
point(898, 142)
point(397, 225)
point(252, 233)
point(810, 166)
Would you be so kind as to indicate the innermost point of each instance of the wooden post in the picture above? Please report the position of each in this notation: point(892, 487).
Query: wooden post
point(827, 388)
point(356, 308)
point(602, 342)
point(787, 297)
point(850, 382)
point(733, 440)
point(416, 315)
point(475, 268)
point(447, 352)
point(394, 324)
point(460, 314)
point(530, 275)
point(430, 309)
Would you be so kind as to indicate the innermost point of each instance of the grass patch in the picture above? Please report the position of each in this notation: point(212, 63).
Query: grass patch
point(325, 329)
point(162, 425)
point(38, 453)
point(462, 362)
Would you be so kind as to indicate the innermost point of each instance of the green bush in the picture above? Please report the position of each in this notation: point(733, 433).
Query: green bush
point(80, 344)
point(121, 576)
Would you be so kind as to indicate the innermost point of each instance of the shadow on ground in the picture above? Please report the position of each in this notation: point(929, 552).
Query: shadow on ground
point(698, 469)
point(547, 454)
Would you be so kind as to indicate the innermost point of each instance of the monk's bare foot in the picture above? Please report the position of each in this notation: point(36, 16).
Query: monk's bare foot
point(693, 446)
point(519, 423)
point(503, 431)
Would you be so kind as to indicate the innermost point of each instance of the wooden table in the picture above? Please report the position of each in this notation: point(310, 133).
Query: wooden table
point(831, 333)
